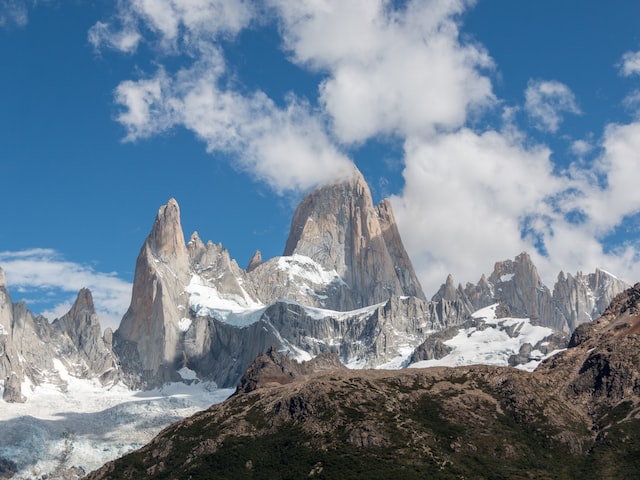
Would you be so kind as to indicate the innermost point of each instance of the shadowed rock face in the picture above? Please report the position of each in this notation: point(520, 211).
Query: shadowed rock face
point(82, 328)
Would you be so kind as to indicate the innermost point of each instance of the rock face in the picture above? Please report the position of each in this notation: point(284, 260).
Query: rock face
point(34, 350)
point(255, 261)
point(517, 285)
point(86, 352)
point(147, 338)
point(338, 227)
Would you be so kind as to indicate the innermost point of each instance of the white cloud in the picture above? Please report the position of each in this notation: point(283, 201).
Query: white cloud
point(125, 39)
point(630, 64)
point(45, 273)
point(471, 199)
point(620, 196)
point(13, 12)
point(581, 147)
point(546, 101)
point(465, 199)
point(288, 147)
point(402, 72)
point(175, 24)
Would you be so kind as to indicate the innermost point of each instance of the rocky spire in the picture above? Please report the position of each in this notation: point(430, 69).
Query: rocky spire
point(82, 327)
point(148, 336)
point(339, 228)
point(447, 291)
point(255, 261)
point(3, 281)
point(166, 238)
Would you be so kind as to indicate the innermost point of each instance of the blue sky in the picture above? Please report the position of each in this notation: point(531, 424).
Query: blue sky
point(494, 127)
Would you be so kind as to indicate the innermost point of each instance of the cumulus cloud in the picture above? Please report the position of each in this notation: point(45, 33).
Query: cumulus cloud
point(581, 147)
point(630, 64)
point(465, 201)
point(390, 71)
point(474, 198)
point(546, 101)
point(42, 274)
point(287, 147)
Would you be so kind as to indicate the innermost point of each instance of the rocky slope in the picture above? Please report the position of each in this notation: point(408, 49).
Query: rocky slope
point(577, 415)
point(30, 346)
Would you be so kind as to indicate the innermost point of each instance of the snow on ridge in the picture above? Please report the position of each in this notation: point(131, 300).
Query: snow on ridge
point(3, 331)
point(491, 343)
point(184, 324)
point(205, 300)
point(322, 313)
point(301, 266)
point(506, 277)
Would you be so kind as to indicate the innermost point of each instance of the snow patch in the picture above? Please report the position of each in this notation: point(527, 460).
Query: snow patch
point(187, 374)
point(184, 324)
point(492, 343)
point(506, 277)
point(3, 331)
point(205, 300)
point(89, 425)
point(302, 267)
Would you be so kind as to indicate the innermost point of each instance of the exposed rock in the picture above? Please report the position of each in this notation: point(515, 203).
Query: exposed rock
point(584, 298)
point(274, 368)
point(579, 411)
point(193, 306)
point(338, 227)
point(13, 389)
point(147, 340)
point(255, 261)
point(600, 368)
point(518, 287)
point(87, 355)
point(8, 469)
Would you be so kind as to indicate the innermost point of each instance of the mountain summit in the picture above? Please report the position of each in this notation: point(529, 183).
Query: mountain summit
point(338, 227)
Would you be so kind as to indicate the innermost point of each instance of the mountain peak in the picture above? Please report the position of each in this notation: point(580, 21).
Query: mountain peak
point(338, 227)
point(3, 281)
point(255, 261)
point(83, 303)
point(166, 238)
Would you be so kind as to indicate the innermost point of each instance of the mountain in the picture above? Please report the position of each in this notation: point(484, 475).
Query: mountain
point(338, 227)
point(576, 415)
point(345, 284)
point(344, 293)
point(517, 285)
point(31, 348)
point(515, 319)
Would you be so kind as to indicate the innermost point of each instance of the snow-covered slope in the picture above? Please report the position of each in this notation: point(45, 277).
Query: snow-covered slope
point(495, 341)
point(58, 434)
